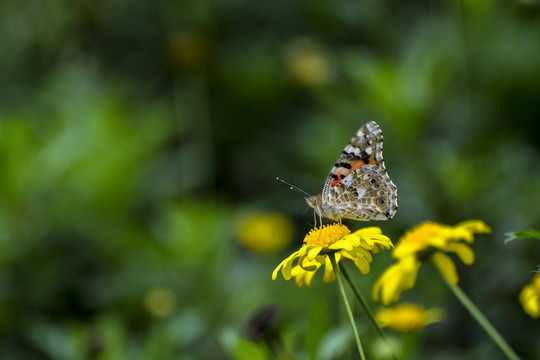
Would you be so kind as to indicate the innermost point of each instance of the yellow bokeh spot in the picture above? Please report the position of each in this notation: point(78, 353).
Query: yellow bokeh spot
point(306, 63)
point(265, 233)
point(187, 49)
point(159, 301)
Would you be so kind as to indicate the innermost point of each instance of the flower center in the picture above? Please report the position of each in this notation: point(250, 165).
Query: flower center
point(326, 235)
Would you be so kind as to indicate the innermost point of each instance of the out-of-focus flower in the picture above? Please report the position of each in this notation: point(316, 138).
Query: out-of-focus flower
point(261, 323)
point(159, 301)
point(265, 233)
point(331, 240)
point(530, 297)
point(187, 49)
point(407, 317)
point(306, 63)
point(427, 241)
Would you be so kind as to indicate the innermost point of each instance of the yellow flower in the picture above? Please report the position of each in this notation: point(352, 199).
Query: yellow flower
point(530, 297)
point(407, 317)
point(427, 241)
point(394, 280)
point(265, 233)
point(328, 240)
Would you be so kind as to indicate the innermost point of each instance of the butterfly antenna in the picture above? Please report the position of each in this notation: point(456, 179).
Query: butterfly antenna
point(292, 186)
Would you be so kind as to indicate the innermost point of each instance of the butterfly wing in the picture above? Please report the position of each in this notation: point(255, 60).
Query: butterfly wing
point(358, 186)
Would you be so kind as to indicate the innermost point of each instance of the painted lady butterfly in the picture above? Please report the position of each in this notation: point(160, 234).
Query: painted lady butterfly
point(358, 186)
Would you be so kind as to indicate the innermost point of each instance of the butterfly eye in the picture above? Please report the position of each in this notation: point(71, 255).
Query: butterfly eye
point(380, 201)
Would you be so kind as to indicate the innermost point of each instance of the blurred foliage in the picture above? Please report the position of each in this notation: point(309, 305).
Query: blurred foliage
point(133, 135)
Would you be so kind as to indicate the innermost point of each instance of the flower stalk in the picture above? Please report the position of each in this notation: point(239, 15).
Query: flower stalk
point(348, 307)
point(480, 318)
point(368, 311)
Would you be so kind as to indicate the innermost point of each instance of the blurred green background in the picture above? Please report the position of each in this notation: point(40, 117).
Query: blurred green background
point(135, 136)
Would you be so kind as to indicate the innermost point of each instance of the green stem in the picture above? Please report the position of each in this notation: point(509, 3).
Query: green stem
point(347, 306)
point(368, 311)
point(480, 318)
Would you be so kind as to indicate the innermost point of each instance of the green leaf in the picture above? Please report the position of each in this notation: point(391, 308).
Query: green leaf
point(249, 350)
point(523, 234)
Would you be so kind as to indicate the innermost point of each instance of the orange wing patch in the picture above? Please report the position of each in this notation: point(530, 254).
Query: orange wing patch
point(343, 170)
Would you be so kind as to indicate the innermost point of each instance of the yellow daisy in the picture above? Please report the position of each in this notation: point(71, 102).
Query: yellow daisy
point(530, 297)
point(427, 241)
point(332, 240)
point(407, 317)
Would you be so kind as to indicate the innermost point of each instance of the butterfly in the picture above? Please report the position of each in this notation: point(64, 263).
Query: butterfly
point(358, 186)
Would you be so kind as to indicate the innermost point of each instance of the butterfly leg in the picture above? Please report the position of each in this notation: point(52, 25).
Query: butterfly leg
point(320, 220)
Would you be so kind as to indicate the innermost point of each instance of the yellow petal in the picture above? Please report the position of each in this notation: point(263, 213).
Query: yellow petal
point(313, 252)
point(466, 230)
point(286, 266)
point(439, 240)
point(299, 279)
point(410, 268)
point(463, 251)
point(308, 277)
point(386, 288)
point(329, 274)
point(361, 263)
point(275, 272)
point(446, 265)
point(475, 226)
point(308, 265)
point(342, 244)
point(362, 253)
point(299, 275)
